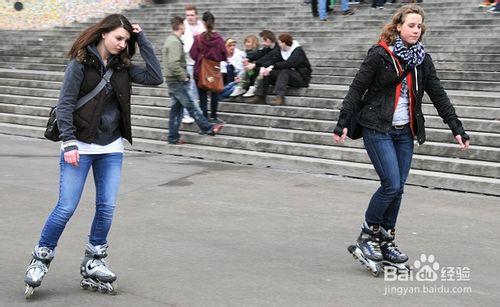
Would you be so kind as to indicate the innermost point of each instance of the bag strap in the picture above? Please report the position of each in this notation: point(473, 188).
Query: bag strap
point(401, 78)
point(105, 79)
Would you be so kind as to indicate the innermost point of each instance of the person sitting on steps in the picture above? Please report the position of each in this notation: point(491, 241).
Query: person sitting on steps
point(286, 67)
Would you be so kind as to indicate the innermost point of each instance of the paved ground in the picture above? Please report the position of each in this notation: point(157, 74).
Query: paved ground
point(195, 233)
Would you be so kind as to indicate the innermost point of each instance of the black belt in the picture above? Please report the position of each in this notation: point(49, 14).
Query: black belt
point(399, 127)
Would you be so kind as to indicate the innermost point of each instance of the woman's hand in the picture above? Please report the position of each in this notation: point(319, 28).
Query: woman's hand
point(72, 157)
point(463, 145)
point(136, 28)
point(340, 139)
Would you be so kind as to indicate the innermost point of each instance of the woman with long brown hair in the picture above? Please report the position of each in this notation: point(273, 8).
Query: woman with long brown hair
point(99, 73)
point(209, 45)
point(385, 102)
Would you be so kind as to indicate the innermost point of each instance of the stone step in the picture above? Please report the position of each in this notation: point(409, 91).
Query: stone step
point(60, 65)
point(370, 34)
point(487, 113)
point(465, 85)
point(458, 98)
point(149, 114)
point(305, 37)
point(347, 55)
point(310, 48)
point(320, 66)
point(457, 84)
point(345, 154)
point(466, 98)
point(235, 141)
point(470, 111)
point(357, 170)
point(479, 153)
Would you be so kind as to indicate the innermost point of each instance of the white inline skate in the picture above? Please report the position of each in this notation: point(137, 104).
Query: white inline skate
point(36, 270)
point(95, 272)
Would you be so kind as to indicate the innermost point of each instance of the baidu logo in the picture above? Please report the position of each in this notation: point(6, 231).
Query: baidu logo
point(427, 268)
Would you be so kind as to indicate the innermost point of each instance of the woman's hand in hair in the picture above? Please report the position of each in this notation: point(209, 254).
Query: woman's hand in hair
point(340, 139)
point(72, 157)
point(136, 28)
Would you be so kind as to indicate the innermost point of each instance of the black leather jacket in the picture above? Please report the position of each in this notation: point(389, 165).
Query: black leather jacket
point(372, 94)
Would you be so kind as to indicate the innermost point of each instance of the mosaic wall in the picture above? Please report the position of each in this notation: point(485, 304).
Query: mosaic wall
point(42, 14)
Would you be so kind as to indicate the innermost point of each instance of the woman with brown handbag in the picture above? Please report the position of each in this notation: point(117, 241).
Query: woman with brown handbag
point(208, 49)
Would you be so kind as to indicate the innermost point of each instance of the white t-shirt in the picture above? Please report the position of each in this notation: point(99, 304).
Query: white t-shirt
point(237, 61)
point(402, 113)
point(188, 37)
point(94, 149)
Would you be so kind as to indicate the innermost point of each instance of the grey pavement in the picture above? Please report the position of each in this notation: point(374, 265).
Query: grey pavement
point(190, 232)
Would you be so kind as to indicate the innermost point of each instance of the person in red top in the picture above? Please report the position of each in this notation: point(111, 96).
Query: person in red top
point(384, 106)
point(210, 45)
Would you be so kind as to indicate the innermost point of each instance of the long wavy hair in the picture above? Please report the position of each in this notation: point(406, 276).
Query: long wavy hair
point(93, 35)
point(390, 30)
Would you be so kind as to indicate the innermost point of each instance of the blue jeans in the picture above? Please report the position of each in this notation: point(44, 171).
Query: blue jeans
point(179, 96)
point(322, 5)
point(228, 89)
point(107, 172)
point(391, 154)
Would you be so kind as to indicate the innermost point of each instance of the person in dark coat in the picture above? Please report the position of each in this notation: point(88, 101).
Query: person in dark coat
point(385, 99)
point(288, 66)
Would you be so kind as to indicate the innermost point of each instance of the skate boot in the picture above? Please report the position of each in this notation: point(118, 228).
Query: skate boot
point(392, 256)
point(95, 272)
point(367, 249)
point(38, 267)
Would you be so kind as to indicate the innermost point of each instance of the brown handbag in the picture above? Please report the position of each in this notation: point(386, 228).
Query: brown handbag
point(210, 77)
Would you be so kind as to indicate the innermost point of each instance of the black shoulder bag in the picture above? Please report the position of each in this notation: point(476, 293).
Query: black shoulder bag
point(52, 131)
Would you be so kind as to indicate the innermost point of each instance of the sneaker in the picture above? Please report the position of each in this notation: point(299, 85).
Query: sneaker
point(494, 10)
point(186, 119)
point(216, 128)
point(348, 12)
point(250, 92)
point(237, 92)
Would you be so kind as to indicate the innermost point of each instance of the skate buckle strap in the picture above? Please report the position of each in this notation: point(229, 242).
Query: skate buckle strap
point(37, 264)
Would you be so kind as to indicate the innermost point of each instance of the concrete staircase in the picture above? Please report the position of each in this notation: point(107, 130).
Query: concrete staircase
point(461, 38)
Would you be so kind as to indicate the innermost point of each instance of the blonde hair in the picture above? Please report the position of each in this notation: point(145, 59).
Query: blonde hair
point(390, 30)
point(254, 40)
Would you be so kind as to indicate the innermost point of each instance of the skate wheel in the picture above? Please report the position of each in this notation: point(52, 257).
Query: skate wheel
point(93, 288)
point(112, 290)
point(351, 248)
point(28, 292)
point(376, 271)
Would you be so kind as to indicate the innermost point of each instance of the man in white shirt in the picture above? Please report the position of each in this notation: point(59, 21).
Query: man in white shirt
point(194, 27)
